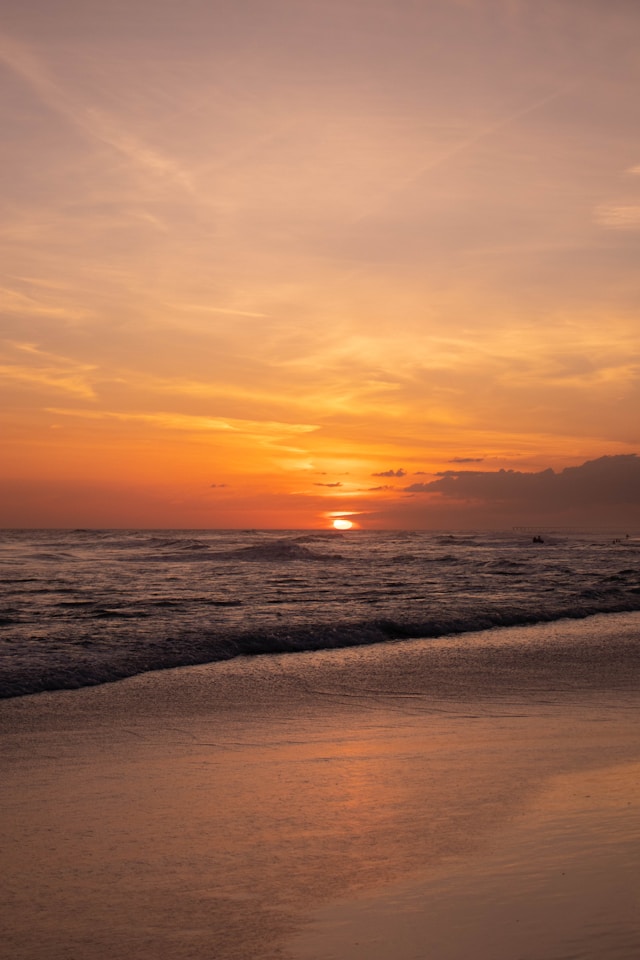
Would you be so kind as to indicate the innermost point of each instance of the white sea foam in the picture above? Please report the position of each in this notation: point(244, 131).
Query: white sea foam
point(85, 607)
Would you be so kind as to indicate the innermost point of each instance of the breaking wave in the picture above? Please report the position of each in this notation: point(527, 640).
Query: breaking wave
point(81, 608)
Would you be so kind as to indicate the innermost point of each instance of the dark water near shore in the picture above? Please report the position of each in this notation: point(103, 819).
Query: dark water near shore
point(85, 607)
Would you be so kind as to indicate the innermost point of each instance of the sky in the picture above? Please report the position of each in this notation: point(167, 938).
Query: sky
point(265, 263)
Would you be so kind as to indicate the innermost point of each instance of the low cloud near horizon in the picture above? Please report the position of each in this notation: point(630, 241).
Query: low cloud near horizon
point(613, 480)
point(609, 485)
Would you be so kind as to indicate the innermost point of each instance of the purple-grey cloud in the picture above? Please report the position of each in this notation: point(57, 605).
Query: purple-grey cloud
point(613, 480)
point(336, 484)
point(391, 473)
point(467, 460)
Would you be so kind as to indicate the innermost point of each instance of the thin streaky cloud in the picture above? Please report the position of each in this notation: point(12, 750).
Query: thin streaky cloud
point(25, 363)
point(219, 389)
point(206, 308)
point(190, 423)
point(15, 301)
point(27, 346)
point(48, 283)
point(94, 122)
point(466, 145)
point(49, 377)
point(622, 217)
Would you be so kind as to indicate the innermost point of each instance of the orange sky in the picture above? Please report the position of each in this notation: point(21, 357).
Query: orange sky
point(265, 260)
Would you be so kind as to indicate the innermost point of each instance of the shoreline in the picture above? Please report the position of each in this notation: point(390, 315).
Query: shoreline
point(471, 641)
point(226, 809)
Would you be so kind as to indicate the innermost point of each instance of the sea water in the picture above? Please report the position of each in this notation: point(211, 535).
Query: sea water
point(84, 607)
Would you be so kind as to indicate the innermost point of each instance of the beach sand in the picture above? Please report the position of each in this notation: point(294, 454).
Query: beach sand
point(431, 799)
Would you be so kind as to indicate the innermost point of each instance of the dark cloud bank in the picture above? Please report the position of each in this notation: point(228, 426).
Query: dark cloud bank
point(603, 490)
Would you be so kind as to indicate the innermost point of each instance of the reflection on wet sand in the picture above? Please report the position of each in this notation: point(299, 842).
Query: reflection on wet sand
point(292, 807)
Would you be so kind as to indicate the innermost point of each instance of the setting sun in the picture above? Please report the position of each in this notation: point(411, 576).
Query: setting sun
point(341, 524)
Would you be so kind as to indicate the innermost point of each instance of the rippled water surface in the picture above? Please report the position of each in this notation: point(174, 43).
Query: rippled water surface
point(80, 607)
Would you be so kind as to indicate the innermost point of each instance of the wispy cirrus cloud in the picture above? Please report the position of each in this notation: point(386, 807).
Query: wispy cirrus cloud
point(27, 364)
point(94, 122)
point(619, 217)
point(17, 302)
point(263, 430)
point(205, 309)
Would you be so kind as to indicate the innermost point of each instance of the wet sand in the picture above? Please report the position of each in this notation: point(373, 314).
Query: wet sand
point(430, 799)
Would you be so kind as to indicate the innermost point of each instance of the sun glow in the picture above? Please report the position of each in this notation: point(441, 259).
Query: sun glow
point(341, 524)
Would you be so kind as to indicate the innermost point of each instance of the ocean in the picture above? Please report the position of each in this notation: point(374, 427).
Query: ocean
point(85, 607)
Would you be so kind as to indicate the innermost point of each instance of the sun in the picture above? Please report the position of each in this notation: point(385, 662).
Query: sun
point(341, 524)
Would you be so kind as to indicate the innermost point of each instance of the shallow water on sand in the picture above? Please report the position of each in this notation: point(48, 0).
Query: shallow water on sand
point(559, 882)
point(269, 806)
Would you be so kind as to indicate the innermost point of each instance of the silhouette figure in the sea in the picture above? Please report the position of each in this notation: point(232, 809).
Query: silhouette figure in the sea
point(538, 540)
